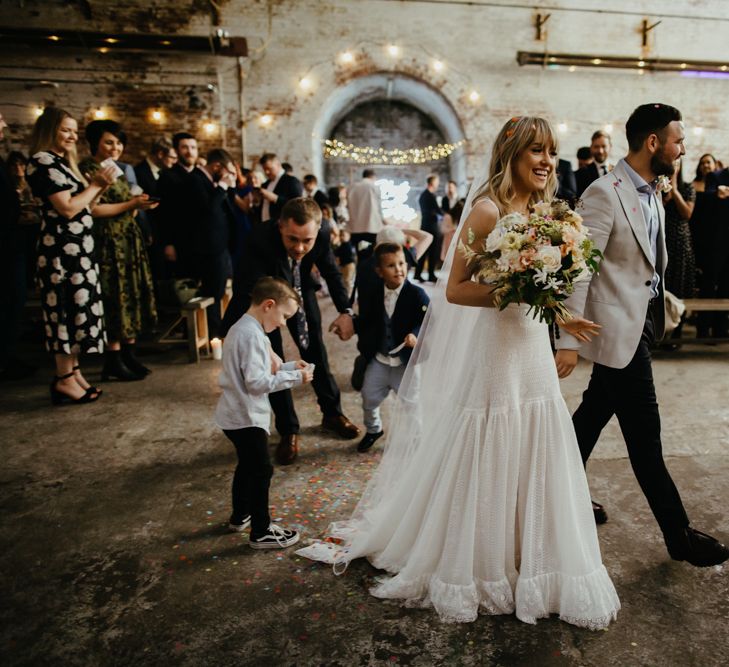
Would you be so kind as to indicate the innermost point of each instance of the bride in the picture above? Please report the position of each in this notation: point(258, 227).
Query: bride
point(480, 502)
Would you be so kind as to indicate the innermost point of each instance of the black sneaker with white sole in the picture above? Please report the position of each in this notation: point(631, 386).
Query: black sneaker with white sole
point(275, 537)
point(239, 525)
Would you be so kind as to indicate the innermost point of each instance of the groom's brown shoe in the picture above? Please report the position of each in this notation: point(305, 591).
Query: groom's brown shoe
point(287, 449)
point(600, 514)
point(697, 548)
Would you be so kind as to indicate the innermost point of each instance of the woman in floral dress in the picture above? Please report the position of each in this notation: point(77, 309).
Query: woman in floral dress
point(68, 275)
point(126, 277)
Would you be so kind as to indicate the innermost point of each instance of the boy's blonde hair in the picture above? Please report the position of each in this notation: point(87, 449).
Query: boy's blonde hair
point(273, 288)
point(514, 138)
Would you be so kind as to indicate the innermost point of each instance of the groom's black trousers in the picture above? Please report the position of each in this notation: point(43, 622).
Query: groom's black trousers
point(629, 393)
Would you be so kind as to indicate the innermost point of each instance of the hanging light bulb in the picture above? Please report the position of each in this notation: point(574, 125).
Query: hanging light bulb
point(305, 83)
point(38, 111)
point(99, 113)
point(474, 96)
point(562, 127)
point(266, 119)
point(393, 50)
point(608, 128)
point(438, 66)
point(157, 115)
point(347, 57)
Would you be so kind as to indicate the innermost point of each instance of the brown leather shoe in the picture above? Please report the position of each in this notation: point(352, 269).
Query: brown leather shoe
point(287, 449)
point(341, 426)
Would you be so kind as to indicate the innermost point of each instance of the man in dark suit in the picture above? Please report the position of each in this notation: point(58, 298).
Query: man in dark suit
point(12, 276)
point(288, 249)
point(206, 202)
point(567, 184)
point(175, 222)
point(279, 187)
point(311, 189)
point(600, 146)
point(430, 215)
point(148, 173)
point(391, 312)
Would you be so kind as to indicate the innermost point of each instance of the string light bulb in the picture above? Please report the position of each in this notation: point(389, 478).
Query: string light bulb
point(210, 128)
point(562, 127)
point(393, 50)
point(157, 115)
point(38, 111)
point(266, 119)
point(305, 83)
point(474, 96)
point(347, 57)
point(608, 128)
point(438, 66)
point(334, 149)
point(698, 131)
point(99, 114)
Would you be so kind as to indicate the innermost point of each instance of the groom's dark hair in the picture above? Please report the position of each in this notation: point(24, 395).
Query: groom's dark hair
point(648, 119)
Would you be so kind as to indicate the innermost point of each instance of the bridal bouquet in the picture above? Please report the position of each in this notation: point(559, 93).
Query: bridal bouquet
point(536, 260)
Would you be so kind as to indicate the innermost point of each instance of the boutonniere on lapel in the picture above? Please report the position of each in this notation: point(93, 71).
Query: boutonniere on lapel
point(663, 184)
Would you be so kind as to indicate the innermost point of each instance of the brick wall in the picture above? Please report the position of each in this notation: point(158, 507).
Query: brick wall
point(291, 39)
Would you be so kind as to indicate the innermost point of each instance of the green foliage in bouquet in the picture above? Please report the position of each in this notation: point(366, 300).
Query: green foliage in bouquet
point(535, 259)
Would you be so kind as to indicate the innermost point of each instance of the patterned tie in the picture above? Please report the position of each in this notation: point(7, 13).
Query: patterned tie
point(302, 327)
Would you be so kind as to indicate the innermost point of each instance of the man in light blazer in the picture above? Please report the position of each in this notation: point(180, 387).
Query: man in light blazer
point(626, 220)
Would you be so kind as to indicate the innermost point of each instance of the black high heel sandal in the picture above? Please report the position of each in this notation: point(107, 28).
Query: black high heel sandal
point(59, 398)
point(91, 390)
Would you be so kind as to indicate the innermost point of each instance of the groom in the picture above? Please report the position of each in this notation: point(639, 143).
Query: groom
point(626, 221)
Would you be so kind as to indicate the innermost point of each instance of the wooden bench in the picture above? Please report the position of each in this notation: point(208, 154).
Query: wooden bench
point(194, 315)
point(701, 306)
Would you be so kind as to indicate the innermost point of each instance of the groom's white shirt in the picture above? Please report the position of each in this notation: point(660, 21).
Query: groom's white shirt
point(617, 297)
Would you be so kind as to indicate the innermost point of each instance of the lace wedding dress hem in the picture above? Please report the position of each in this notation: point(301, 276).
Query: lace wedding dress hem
point(588, 601)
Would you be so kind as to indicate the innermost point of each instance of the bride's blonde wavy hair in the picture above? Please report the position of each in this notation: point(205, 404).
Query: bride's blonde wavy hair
point(515, 137)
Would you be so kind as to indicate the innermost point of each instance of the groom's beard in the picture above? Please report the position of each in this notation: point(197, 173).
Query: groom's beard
point(661, 166)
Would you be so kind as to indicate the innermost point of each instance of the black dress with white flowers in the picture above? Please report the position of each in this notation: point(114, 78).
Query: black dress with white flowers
point(68, 275)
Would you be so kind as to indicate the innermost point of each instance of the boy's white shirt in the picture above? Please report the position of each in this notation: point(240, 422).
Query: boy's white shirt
point(246, 377)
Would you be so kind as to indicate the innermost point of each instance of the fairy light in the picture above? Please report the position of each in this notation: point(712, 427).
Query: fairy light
point(334, 149)
point(157, 115)
point(111, 40)
point(54, 38)
point(438, 66)
point(305, 83)
point(99, 114)
point(474, 96)
point(266, 119)
point(103, 49)
point(393, 50)
point(347, 58)
point(210, 128)
point(571, 68)
point(641, 63)
point(596, 61)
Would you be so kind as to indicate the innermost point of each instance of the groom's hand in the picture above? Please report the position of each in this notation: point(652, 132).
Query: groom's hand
point(566, 361)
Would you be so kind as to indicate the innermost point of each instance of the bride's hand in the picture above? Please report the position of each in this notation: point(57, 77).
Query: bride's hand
point(580, 328)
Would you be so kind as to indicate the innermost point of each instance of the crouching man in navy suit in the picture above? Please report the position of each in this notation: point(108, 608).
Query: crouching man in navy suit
point(391, 312)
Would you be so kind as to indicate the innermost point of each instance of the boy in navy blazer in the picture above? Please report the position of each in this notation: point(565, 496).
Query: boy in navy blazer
point(391, 312)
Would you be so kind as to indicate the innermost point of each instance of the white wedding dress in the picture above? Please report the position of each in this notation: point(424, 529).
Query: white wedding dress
point(480, 502)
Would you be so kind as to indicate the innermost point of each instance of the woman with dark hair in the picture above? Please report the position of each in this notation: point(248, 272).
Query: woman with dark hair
point(679, 206)
point(706, 233)
point(67, 271)
point(126, 278)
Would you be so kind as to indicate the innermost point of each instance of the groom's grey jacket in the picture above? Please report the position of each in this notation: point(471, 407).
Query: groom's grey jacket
point(617, 297)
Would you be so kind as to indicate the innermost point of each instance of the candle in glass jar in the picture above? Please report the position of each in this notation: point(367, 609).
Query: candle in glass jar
point(217, 345)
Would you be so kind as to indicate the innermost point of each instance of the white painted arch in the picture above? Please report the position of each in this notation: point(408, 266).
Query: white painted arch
point(390, 86)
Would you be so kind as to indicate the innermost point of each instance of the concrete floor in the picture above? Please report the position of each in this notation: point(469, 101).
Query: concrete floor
point(113, 549)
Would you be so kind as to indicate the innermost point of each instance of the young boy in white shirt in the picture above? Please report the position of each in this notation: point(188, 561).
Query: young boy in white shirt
point(250, 372)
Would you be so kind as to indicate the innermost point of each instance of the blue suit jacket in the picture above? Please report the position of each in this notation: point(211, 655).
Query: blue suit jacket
point(406, 318)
